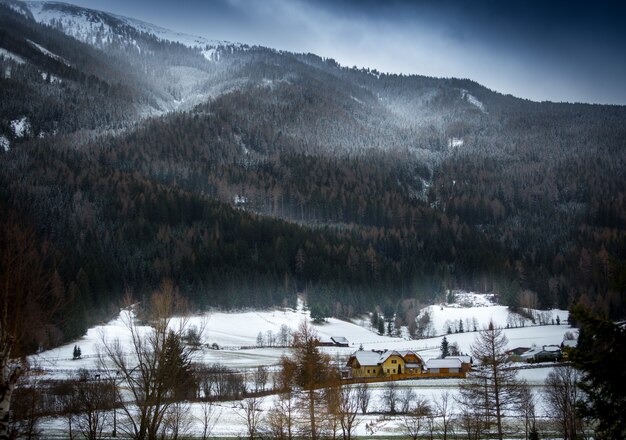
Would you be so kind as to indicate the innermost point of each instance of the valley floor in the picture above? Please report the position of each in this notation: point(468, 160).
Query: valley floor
point(236, 334)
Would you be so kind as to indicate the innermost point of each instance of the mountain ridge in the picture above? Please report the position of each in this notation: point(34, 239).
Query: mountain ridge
point(257, 174)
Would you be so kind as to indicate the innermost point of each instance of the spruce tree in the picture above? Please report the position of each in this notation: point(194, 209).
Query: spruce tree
point(600, 355)
point(445, 352)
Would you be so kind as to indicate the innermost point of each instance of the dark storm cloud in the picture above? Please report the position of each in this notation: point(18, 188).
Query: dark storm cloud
point(542, 50)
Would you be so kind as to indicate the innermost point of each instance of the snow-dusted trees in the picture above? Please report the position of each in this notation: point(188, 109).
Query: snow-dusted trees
point(157, 368)
point(492, 391)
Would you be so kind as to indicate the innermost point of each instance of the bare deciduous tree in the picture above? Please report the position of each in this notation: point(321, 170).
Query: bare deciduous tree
point(416, 417)
point(349, 404)
point(152, 372)
point(444, 411)
point(527, 410)
point(208, 419)
point(281, 418)
point(406, 399)
point(363, 396)
point(26, 412)
point(93, 403)
point(261, 376)
point(30, 293)
point(472, 424)
point(177, 422)
point(492, 390)
point(390, 396)
point(562, 395)
point(250, 411)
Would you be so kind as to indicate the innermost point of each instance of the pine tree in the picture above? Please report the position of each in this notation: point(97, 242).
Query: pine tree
point(381, 326)
point(445, 352)
point(374, 319)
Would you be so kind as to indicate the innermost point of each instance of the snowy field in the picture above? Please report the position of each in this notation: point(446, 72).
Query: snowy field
point(232, 331)
point(229, 417)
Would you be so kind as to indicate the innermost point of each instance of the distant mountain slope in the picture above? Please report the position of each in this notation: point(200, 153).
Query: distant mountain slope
point(247, 174)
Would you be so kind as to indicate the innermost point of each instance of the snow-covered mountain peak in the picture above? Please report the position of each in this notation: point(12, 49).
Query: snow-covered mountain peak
point(169, 35)
point(101, 29)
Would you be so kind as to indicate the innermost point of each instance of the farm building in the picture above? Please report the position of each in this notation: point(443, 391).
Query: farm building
point(545, 353)
point(444, 366)
point(364, 364)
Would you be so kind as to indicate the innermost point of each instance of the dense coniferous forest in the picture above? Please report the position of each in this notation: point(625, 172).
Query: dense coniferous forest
point(252, 175)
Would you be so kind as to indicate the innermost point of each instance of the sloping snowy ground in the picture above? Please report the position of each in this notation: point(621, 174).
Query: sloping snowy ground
point(11, 56)
point(231, 331)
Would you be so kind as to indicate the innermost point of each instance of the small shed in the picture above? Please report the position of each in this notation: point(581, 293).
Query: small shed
point(340, 341)
point(443, 366)
point(466, 362)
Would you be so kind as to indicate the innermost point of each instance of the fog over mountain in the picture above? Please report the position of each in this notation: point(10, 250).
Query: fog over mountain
point(558, 50)
point(248, 174)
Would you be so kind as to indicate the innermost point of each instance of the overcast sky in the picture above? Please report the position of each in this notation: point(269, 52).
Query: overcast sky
point(541, 50)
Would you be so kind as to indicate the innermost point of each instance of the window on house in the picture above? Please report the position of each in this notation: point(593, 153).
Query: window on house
point(394, 361)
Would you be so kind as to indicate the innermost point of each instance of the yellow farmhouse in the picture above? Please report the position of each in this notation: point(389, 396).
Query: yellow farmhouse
point(365, 364)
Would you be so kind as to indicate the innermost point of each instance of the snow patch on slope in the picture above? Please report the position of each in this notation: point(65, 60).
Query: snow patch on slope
point(169, 35)
point(50, 77)
point(86, 25)
point(99, 28)
point(472, 100)
point(455, 142)
point(5, 144)
point(20, 127)
point(47, 52)
point(11, 56)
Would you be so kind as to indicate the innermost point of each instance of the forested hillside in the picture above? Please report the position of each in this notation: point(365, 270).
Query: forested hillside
point(247, 175)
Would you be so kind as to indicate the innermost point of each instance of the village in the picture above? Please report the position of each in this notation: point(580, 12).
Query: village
point(366, 366)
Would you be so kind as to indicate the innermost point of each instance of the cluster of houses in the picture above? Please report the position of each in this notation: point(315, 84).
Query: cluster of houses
point(391, 364)
point(395, 365)
point(544, 353)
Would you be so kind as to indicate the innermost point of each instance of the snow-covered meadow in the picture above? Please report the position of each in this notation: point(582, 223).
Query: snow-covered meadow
point(237, 333)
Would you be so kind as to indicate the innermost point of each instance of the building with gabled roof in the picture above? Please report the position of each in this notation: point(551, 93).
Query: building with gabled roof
point(364, 364)
point(545, 353)
point(340, 341)
point(444, 366)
